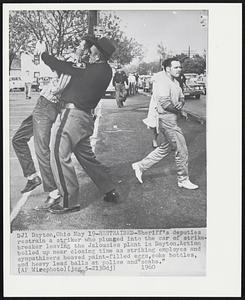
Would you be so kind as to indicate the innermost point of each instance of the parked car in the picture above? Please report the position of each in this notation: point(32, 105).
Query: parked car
point(192, 77)
point(202, 81)
point(16, 83)
point(140, 82)
point(35, 85)
point(193, 90)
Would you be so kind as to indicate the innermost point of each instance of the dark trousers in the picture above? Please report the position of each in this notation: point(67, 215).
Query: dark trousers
point(38, 124)
point(121, 94)
point(22, 150)
point(71, 134)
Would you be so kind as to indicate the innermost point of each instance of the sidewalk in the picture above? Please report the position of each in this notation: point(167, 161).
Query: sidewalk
point(158, 203)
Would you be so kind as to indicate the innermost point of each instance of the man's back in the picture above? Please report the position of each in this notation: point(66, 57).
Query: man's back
point(86, 90)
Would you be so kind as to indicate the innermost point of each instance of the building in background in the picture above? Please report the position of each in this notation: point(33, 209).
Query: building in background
point(38, 70)
point(15, 69)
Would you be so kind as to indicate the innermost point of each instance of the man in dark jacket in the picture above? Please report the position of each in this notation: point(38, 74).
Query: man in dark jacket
point(73, 130)
point(119, 80)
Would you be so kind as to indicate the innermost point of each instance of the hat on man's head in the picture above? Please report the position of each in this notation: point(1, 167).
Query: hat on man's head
point(91, 40)
point(105, 46)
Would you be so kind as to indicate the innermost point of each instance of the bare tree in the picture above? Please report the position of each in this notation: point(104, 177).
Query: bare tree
point(61, 29)
point(126, 48)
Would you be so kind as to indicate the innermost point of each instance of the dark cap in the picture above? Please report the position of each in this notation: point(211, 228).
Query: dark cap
point(105, 46)
point(89, 39)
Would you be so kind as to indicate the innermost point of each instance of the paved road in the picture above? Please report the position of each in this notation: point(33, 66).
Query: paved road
point(19, 109)
point(123, 139)
point(196, 106)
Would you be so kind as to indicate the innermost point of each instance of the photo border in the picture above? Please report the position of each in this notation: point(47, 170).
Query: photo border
point(223, 173)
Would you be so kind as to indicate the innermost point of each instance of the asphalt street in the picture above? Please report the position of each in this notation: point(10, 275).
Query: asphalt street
point(122, 139)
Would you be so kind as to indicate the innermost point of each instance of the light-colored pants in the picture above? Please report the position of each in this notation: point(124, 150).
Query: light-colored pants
point(172, 136)
point(71, 134)
point(28, 89)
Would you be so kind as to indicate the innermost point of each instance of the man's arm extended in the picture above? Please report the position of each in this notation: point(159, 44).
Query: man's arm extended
point(59, 65)
point(167, 105)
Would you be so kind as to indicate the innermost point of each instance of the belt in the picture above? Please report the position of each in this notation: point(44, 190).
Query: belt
point(73, 106)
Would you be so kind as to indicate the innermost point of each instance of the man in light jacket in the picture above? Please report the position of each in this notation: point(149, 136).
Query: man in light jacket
point(170, 100)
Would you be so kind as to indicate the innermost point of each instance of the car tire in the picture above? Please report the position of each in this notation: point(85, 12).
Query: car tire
point(197, 96)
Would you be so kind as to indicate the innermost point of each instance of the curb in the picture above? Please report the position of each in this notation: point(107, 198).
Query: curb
point(192, 116)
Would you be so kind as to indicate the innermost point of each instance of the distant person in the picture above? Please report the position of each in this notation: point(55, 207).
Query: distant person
point(132, 83)
point(28, 81)
point(119, 80)
point(170, 101)
point(136, 75)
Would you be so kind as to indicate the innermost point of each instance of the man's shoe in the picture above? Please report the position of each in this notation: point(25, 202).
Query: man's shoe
point(111, 196)
point(187, 185)
point(59, 210)
point(49, 202)
point(32, 184)
point(138, 172)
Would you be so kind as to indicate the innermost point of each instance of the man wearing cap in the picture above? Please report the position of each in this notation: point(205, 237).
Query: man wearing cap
point(73, 130)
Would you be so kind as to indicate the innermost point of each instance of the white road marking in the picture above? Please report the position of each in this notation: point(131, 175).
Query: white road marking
point(93, 138)
point(21, 202)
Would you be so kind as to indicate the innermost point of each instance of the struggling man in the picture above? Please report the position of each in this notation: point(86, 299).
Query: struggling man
point(170, 101)
point(39, 125)
point(73, 129)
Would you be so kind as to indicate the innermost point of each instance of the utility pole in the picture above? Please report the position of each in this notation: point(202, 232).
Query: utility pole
point(189, 51)
point(92, 21)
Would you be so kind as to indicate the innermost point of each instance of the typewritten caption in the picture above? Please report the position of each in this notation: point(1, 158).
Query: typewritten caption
point(109, 252)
